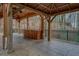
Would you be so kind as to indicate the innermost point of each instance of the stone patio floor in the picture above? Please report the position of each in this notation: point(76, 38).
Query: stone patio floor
point(27, 47)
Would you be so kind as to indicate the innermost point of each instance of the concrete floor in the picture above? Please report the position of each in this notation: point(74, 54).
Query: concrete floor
point(24, 47)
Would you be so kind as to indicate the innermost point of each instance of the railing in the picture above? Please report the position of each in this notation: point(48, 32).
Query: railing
point(64, 34)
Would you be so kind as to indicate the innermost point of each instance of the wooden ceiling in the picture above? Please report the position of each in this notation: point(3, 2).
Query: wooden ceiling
point(53, 8)
point(21, 10)
point(22, 15)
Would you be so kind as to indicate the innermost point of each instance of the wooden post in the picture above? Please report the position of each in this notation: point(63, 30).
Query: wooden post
point(49, 24)
point(9, 30)
point(19, 26)
point(27, 23)
point(5, 26)
point(7, 15)
point(42, 25)
point(16, 26)
point(24, 24)
point(49, 30)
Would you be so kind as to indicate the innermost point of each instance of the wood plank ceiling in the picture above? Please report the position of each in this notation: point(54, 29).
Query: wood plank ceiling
point(20, 10)
point(53, 8)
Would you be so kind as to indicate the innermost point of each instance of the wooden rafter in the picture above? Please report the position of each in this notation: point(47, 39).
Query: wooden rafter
point(50, 8)
point(53, 18)
point(55, 7)
point(44, 7)
point(34, 10)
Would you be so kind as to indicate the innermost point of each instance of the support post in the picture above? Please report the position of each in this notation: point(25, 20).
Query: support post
point(42, 26)
point(19, 26)
point(5, 26)
point(7, 15)
point(27, 24)
point(24, 24)
point(49, 24)
point(9, 30)
point(49, 30)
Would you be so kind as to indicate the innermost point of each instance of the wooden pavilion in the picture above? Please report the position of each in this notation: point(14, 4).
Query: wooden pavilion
point(18, 12)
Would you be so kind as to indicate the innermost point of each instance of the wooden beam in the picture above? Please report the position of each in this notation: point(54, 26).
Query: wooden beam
point(68, 6)
point(65, 12)
point(32, 9)
point(25, 16)
point(44, 6)
point(55, 7)
point(53, 18)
